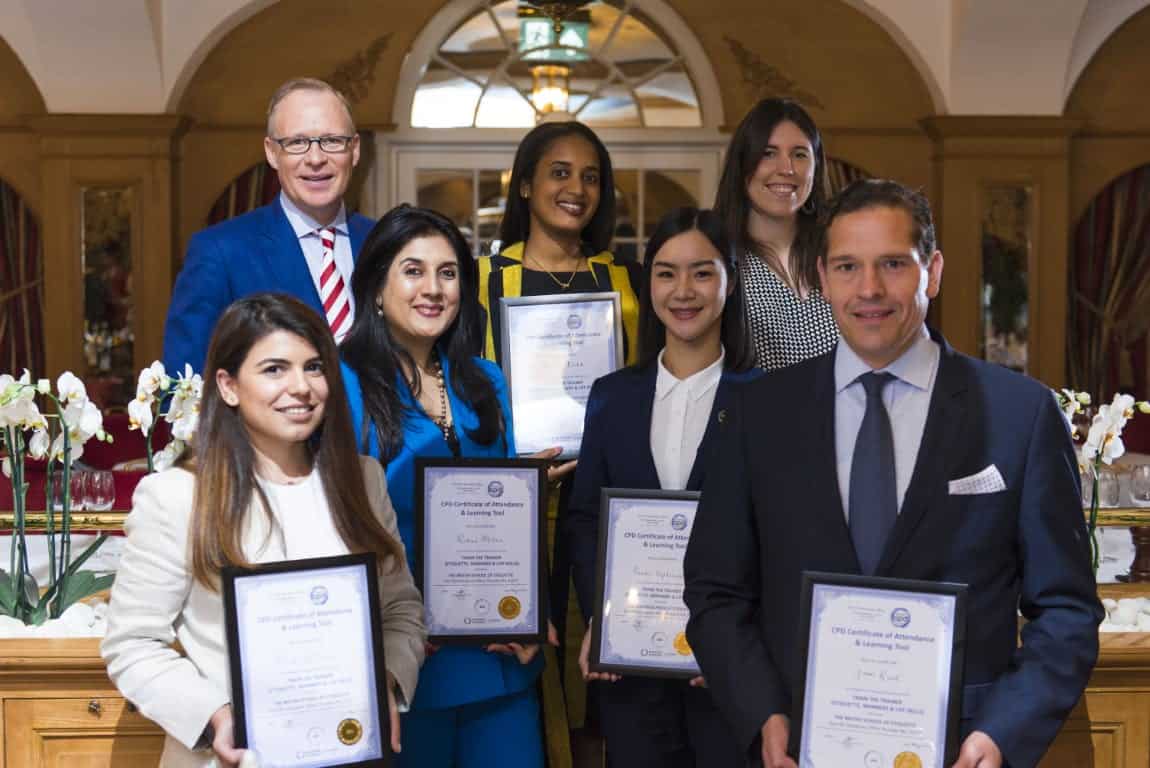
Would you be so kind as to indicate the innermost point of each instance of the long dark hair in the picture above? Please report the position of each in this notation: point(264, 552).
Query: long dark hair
point(516, 223)
point(376, 357)
point(224, 461)
point(735, 334)
point(743, 155)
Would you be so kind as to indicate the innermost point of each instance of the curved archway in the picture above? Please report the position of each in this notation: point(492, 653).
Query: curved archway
point(456, 12)
point(1102, 19)
point(21, 285)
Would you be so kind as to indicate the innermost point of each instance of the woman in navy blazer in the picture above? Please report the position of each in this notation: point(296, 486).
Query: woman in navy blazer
point(415, 389)
point(693, 346)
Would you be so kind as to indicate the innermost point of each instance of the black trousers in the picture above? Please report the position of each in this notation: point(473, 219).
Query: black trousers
point(658, 723)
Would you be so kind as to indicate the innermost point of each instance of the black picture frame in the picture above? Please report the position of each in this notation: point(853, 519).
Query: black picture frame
point(367, 561)
point(539, 635)
point(811, 579)
point(595, 663)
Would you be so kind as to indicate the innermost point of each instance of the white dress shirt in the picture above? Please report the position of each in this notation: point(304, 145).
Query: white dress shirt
point(679, 419)
point(307, 230)
point(907, 400)
point(305, 523)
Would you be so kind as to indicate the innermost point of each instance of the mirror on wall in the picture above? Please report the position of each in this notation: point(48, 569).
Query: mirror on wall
point(109, 309)
point(1006, 244)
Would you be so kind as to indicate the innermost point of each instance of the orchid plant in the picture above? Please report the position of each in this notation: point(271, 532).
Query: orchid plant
point(79, 421)
point(1103, 442)
point(183, 394)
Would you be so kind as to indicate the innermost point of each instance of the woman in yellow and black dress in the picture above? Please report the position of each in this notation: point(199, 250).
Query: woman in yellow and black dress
point(555, 235)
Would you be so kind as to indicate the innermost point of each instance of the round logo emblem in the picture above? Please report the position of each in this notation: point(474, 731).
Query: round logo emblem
point(482, 606)
point(907, 760)
point(574, 322)
point(318, 595)
point(678, 521)
point(349, 731)
point(873, 760)
point(682, 647)
point(658, 638)
point(509, 607)
point(900, 617)
point(495, 489)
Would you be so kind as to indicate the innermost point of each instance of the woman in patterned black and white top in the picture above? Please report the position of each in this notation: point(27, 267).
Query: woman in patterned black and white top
point(770, 196)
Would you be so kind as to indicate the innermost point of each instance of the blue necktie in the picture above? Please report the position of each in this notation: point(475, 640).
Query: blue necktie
point(873, 501)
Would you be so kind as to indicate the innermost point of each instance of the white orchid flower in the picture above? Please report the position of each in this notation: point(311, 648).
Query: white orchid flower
point(1144, 407)
point(69, 388)
point(38, 444)
point(152, 378)
point(167, 457)
point(1082, 397)
point(140, 415)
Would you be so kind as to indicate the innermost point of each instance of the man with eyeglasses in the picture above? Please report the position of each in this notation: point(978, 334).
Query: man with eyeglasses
point(303, 244)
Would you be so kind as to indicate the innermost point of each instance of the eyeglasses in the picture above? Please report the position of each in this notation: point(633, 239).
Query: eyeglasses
point(301, 145)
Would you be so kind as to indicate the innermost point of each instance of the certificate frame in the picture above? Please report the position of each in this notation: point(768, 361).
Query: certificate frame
point(855, 582)
point(508, 305)
point(230, 576)
point(595, 662)
point(538, 632)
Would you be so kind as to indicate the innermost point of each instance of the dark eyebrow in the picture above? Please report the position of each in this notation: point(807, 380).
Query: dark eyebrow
point(273, 360)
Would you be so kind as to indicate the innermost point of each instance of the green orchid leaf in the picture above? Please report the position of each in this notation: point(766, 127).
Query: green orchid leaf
point(83, 584)
point(83, 557)
point(7, 596)
point(31, 593)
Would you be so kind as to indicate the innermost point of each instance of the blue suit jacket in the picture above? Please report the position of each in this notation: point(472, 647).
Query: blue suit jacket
point(452, 676)
point(616, 453)
point(771, 509)
point(252, 253)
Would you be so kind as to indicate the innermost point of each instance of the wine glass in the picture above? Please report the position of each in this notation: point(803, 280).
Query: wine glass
point(1140, 482)
point(1108, 488)
point(101, 490)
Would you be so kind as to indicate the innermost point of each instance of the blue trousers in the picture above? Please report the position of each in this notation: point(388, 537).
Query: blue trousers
point(494, 733)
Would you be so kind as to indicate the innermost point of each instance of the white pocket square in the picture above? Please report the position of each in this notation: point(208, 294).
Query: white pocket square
point(988, 480)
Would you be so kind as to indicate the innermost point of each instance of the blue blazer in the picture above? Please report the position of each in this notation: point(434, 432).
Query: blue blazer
point(252, 253)
point(771, 509)
point(616, 453)
point(452, 676)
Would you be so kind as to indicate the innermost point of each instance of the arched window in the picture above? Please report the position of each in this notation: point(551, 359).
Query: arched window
point(503, 67)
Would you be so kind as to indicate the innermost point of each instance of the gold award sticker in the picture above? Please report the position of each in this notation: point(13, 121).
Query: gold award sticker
point(509, 607)
point(349, 731)
point(907, 760)
point(681, 644)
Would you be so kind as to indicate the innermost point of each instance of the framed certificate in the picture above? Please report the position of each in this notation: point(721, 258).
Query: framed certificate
point(552, 349)
point(479, 543)
point(305, 647)
point(640, 619)
point(882, 663)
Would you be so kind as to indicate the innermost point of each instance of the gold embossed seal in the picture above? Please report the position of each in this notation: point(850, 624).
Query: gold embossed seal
point(509, 607)
point(682, 647)
point(907, 760)
point(349, 731)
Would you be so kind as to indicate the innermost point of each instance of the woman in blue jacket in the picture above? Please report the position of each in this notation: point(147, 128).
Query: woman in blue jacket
point(416, 390)
point(648, 426)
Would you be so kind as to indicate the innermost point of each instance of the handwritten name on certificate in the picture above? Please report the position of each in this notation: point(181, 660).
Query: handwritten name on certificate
point(308, 676)
point(481, 550)
point(878, 677)
point(643, 618)
point(553, 353)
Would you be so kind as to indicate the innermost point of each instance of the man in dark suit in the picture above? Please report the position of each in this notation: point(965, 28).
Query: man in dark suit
point(303, 244)
point(966, 473)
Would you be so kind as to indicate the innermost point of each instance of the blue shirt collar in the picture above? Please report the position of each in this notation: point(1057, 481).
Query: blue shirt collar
point(916, 366)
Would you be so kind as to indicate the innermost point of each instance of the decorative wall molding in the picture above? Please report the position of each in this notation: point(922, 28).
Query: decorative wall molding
point(355, 76)
point(763, 80)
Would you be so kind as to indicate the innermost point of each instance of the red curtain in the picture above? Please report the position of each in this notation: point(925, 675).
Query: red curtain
point(21, 287)
point(1109, 286)
point(255, 187)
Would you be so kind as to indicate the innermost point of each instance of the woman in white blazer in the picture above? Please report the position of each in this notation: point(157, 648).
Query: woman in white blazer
point(273, 475)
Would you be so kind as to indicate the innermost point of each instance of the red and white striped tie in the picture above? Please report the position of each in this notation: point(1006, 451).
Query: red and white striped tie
point(331, 292)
